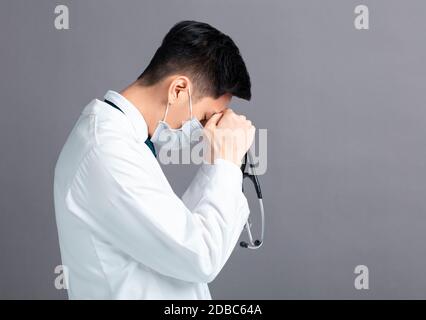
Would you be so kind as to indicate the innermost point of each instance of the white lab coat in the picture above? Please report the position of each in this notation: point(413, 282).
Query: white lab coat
point(123, 232)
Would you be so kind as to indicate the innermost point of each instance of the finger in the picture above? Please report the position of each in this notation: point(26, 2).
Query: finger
point(214, 119)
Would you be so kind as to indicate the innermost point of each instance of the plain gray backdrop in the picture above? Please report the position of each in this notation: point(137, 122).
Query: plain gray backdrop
point(345, 113)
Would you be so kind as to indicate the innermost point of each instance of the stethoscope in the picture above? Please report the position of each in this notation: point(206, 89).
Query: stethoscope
point(253, 244)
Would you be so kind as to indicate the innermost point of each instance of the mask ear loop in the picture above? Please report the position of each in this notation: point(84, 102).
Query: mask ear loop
point(190, 102)
point(167, 110)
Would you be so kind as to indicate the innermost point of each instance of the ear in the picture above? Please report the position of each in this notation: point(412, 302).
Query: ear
point(180, 85)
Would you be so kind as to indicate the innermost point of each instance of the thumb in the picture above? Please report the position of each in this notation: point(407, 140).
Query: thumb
point(214, 119)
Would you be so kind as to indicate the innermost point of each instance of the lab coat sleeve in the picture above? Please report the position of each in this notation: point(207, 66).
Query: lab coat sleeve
point(195, 191)
point(128, 202)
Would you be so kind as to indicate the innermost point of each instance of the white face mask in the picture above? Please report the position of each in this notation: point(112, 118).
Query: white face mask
point(175, 139)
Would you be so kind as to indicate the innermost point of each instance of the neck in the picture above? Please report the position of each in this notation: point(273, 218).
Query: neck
point(147, 101)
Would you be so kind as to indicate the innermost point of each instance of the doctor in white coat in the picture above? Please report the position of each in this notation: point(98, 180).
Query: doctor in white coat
point(123, 232)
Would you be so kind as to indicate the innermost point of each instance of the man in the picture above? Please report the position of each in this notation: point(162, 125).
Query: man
point(123, 232)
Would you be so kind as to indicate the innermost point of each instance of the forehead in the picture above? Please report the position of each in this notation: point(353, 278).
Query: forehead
point(216, 105)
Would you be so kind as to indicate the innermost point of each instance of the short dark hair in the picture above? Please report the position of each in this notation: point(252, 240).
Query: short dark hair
point(207, 56)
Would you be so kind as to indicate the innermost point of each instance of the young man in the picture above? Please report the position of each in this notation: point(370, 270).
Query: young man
point(123, 232)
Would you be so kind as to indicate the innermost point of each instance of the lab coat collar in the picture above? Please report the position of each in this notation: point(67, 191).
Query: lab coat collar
point(133, 114)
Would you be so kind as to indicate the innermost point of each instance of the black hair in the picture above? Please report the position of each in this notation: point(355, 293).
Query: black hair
point(207, 56)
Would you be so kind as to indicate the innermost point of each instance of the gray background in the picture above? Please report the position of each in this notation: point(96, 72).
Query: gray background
point(344, 109)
